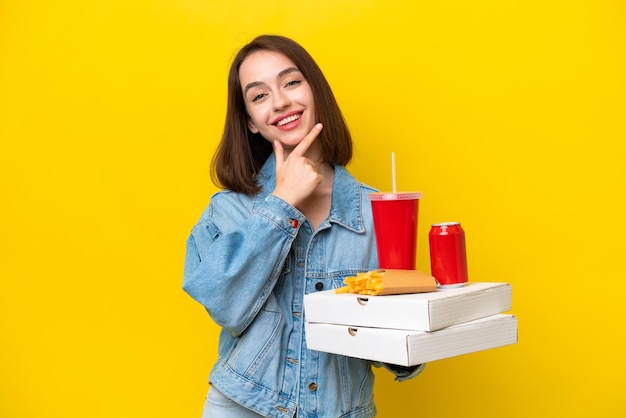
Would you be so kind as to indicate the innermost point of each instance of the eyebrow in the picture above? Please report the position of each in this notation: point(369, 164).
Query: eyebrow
point(280, 74)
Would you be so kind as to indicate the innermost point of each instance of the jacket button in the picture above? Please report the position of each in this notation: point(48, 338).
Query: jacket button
point(313, 387)
point(319, 286)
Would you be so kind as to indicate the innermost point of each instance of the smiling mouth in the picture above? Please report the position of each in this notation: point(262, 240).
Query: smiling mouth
point(288, 119)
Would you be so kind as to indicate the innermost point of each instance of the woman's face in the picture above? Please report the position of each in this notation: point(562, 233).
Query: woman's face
point(278, 98)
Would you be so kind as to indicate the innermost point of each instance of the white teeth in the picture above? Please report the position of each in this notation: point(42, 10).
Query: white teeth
point(287, 120)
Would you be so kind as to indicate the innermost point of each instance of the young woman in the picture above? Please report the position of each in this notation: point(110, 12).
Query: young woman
point(291, 220)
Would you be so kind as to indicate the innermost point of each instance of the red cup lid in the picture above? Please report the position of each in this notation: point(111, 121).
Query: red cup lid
point(395, 196)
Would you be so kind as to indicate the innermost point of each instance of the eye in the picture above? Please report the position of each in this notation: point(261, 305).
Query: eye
point(258, 97)
point(292, 83)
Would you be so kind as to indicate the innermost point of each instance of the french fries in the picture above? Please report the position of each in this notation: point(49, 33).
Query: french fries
point(369, 283)
point(388, 282)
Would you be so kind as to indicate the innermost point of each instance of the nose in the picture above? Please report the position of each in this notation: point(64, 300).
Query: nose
point(280, 100)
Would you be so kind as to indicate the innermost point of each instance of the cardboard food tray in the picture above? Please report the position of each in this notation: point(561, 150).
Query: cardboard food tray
point(409, 348)
point(417, 311)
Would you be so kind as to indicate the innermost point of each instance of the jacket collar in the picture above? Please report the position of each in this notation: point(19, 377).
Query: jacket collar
point(346, 206)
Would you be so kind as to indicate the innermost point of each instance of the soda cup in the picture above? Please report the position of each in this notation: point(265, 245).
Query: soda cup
point(395, 226)
point(448, 261)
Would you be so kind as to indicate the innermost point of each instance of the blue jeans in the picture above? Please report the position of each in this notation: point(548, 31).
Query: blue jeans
point(219, 406)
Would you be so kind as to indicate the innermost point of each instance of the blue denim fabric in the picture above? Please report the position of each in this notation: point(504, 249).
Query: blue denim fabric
point(250, 261)
point(219, 406)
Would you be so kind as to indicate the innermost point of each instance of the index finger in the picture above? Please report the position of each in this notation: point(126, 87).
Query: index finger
point(306, 142)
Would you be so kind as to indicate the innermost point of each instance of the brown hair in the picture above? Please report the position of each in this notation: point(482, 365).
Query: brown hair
point(241, 153)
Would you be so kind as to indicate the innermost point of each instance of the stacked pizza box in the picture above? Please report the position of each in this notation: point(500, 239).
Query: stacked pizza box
point(412, 328)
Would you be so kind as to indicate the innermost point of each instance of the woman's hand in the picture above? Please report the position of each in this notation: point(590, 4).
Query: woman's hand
point(296, 175)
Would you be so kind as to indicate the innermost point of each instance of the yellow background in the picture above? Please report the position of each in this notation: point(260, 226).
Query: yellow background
point(507, 115)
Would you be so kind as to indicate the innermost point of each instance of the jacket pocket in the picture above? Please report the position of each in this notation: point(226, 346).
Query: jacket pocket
point(255, 355)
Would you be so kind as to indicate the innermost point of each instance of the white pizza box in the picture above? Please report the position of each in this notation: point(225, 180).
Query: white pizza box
point(409, 348)
point(415, 311)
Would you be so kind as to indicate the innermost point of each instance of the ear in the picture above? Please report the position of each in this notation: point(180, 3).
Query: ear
point(252, 127)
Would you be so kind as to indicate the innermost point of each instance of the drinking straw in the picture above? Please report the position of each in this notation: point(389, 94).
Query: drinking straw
point(393, 173)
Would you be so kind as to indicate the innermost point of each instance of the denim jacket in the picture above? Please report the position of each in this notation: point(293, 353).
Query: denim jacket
point(250, 261)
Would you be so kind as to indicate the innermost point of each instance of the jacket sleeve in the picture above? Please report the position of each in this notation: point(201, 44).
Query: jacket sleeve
point(232, 263)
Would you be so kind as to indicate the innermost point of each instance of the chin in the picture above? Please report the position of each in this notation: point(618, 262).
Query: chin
point(291, 142)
